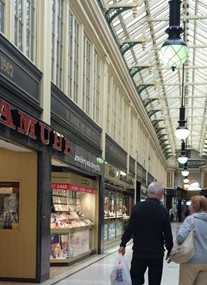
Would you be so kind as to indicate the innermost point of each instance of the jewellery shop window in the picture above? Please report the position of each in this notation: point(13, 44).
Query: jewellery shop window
point(9, 205)
point(72, 221)
point(114, 213)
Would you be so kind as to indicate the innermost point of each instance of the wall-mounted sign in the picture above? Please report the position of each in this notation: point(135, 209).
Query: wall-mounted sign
point(71, 187)
point(127, 178)
point(85, 162)
point(34, 129)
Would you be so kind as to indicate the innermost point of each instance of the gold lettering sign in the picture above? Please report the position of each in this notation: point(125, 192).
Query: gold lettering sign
point(7, 67)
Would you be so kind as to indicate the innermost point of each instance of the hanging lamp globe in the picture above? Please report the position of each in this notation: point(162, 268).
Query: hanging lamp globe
point(182, 131)
point(186, 180)
point(186, 186)
point(174, 52)
point(185, 172)
point(182, 159)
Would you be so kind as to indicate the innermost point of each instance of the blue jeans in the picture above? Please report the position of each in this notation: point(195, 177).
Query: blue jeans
point(139, 267)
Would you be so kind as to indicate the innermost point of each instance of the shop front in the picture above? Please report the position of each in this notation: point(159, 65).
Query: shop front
point(74, 217)
point(22, 195)
point(119, 193)
point(49, 176)
point(29, 191)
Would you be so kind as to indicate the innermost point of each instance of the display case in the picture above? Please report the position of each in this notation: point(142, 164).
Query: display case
point(65, 245)
point(72, 222)
point(115, 215)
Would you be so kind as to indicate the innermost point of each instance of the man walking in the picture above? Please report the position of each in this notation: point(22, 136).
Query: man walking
point(149, 226)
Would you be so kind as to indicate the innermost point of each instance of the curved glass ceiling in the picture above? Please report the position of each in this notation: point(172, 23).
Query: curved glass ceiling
point(143, 29)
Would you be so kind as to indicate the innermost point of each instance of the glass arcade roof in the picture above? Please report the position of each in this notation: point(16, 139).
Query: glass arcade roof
point(139, 27)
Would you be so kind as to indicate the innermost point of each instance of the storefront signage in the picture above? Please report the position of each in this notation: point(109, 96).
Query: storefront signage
point(112, 171)
point(127, 179)
point(29, 126)
point(86, 163)
point(7, 67)
point(71, 187)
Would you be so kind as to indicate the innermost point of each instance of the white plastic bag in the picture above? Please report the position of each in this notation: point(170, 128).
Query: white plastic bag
point(120, 273)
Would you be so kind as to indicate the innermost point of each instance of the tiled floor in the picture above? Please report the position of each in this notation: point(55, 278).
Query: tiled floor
point(96, 270)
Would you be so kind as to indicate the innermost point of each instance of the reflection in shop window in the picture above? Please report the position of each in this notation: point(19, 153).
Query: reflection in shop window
point(9, 205)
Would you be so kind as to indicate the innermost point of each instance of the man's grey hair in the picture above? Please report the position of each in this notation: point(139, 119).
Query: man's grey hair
point(155, 187)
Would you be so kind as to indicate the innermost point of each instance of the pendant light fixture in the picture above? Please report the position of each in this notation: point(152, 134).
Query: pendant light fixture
point(182, 159)
point(182, 131)
point(174, 52)
point(185, 171)
point(186, 186)
point(186, 180)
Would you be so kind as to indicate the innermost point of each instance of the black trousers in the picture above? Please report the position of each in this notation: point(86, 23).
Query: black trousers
point(139, 267)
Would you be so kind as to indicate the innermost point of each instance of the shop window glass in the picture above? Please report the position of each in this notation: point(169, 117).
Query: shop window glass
point(72, 221)
point(115, 214)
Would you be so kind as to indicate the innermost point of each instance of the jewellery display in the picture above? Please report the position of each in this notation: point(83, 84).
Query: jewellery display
point(67, 210)
point(71, 224)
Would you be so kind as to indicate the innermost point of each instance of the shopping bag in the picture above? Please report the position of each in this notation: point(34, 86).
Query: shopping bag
point(182, 253)
point(120, 273)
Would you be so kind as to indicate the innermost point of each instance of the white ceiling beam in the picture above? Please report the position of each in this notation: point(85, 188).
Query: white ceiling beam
point(186, 18)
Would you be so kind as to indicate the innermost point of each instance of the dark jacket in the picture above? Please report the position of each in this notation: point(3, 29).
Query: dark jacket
point(150, 227)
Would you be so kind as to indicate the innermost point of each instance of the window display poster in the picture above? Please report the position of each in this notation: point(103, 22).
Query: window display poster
point(58, 246)
point(78, 243)
point(9, 205)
